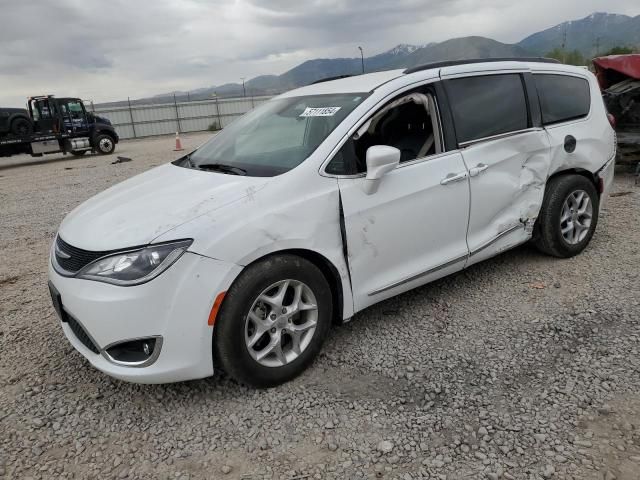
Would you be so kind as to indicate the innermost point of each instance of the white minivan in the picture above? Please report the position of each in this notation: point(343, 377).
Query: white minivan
point(322, 202)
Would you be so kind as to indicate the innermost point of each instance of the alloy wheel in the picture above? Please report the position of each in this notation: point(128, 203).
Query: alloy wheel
point(281, 323)
point(576, 216)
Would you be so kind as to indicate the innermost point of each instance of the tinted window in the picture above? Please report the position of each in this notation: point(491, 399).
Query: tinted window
point(562, 97)
point(487, 105)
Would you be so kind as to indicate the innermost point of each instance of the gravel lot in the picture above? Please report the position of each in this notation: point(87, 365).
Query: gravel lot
point(521, 367)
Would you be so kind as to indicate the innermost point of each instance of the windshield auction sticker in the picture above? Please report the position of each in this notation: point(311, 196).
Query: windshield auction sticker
point(320, 111)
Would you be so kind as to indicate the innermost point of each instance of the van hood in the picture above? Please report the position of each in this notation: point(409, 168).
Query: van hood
point(140, 209)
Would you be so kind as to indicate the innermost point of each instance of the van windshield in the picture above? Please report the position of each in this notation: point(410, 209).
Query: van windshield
point(275, 137)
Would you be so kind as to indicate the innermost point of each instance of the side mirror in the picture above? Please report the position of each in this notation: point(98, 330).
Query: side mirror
point(381, 159)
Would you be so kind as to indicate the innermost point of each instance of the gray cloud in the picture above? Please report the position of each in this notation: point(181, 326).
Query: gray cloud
point(111, 50)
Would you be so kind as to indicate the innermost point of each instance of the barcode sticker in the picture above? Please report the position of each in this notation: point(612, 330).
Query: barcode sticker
point(320, 111)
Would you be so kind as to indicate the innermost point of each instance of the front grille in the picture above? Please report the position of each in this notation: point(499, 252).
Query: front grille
point(78, 258)
point(80, 334)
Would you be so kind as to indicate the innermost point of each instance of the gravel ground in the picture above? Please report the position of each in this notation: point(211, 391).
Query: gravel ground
point(521, 367)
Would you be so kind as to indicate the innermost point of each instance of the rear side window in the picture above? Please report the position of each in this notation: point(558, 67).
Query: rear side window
point(488, 105)
point(562, 98)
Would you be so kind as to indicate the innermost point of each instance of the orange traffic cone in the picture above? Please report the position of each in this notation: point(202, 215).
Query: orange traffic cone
point(178, 144)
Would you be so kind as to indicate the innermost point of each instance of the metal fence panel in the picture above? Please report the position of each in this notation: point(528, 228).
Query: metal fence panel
point(148, 120)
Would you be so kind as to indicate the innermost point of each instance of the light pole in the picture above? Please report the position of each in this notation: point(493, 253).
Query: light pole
point(361, 58)
point(244, 92)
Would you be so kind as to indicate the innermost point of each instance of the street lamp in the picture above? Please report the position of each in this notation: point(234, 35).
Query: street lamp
point(244, 92)
point(361, 58)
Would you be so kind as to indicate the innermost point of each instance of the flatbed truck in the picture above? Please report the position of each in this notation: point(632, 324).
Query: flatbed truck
point(54, 125)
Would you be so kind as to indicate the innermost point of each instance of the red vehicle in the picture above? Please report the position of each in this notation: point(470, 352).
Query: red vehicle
point(619, 77)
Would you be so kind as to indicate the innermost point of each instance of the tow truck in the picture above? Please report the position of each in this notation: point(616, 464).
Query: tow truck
point(52, 125)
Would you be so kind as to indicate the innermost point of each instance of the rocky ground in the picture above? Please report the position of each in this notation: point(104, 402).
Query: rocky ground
point(522, 367)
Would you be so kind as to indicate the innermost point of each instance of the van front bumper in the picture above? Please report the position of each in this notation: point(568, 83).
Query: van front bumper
point(169, 313)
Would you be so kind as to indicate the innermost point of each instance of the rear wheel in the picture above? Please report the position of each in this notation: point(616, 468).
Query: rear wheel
point(104, 144)
point(273, 321)
point(568, 217)
point(21, 127)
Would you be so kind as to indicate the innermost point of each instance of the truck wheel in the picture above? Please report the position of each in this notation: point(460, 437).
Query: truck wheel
point(21, 127)
point(273, 321)
point(78, 153)
point(104, 144)
point(568, 217)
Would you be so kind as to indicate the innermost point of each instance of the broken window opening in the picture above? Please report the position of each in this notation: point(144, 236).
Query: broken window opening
point(408, 123)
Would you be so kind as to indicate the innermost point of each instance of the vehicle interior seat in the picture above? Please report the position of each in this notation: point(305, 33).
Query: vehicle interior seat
point(409, 129)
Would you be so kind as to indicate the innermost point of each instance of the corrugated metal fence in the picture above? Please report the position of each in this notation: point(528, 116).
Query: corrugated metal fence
point(146, 120)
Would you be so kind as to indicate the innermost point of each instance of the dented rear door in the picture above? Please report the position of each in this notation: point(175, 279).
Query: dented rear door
point(498, 131)
point(505, 197)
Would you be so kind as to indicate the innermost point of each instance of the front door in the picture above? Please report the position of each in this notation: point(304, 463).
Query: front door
point(412, 229)
point(410, 232)
point(74, 116)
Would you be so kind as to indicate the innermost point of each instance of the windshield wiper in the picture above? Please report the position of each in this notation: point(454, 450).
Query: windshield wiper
point(222, 168)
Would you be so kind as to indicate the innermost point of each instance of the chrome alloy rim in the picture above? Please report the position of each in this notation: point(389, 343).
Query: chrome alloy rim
point(105, 144)
point(577, 213)
point(281, 323)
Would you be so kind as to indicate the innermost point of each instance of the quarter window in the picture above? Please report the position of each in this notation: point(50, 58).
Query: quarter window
point(487, 105)
point(562, 98)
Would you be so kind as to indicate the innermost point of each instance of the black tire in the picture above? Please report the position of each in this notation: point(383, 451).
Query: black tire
point(21, 127)
point(78, 153)
point(104, 144)
point(548, 232)
point(230, 349)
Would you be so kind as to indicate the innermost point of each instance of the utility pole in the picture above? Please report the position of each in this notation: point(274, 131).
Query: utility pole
point(244, 92)
point(597, 46)
point(361, 58)
point(564, 44)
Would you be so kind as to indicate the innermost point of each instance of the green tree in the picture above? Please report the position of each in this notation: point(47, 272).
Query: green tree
point(617, 51)
point(573, 57)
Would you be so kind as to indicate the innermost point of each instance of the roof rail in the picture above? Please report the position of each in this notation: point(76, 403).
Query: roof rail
point(452, 63)
point(328, 79)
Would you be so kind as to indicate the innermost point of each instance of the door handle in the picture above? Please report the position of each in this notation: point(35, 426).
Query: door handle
point(453, 177)
point(477, 170)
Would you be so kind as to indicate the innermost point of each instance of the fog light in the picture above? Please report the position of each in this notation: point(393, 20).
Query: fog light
point(139, 352)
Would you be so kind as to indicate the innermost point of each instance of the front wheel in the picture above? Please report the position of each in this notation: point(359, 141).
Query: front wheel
point(104, 144)
point(568, 217)
point(273, 321)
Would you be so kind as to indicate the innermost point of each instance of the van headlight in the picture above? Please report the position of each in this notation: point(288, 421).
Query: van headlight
point(135, 266)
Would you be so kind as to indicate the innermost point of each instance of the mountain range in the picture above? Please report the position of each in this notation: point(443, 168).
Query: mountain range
point(591, 35)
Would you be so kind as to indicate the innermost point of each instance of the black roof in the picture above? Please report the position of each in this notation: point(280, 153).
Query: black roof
point(452, 63)
point(328, 79)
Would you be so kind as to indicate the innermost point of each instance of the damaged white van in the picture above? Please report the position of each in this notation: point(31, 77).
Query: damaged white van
point(322, 202)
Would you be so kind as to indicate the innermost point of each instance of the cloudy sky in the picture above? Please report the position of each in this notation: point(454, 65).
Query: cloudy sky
point(108, 50)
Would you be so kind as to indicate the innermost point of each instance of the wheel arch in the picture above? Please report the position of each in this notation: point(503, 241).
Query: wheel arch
point(578, 171)
point(109, 133)
point(328, 269)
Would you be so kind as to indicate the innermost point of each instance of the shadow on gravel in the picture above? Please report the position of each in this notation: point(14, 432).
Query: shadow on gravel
point(44, 161)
